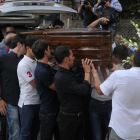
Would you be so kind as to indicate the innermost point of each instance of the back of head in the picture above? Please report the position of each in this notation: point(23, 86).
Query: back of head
point(120, 52)
point(39, 48)
point(8, 39)
point(17, 38)
point(136, 62)
point(61, 52)
point(29, 41)
point(58, 22)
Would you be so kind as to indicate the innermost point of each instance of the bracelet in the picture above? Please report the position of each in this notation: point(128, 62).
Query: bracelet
point(95, 76)
point(88, 72)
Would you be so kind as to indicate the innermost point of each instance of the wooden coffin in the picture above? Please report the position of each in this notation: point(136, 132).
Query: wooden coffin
point(94, 44)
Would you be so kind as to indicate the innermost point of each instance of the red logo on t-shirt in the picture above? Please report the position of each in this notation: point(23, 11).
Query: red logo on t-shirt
point(1, 4)
point(29, 73)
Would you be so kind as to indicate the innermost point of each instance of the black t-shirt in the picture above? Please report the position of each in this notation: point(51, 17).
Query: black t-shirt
point(69, 90)
point(44, 78)
point(8, 78)
point(89, 16)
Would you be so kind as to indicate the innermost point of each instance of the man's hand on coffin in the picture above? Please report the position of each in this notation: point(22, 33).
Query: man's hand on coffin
point(104, 20)
point(86, 65)
point(3, 107)
point(51, 63)
point(114, 68)
point(93, 70)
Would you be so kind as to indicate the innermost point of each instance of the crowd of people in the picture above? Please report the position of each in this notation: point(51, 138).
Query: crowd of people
point(35, 97)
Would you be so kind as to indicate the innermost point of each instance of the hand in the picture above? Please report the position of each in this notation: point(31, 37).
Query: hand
point(86, 64)
point(44, 33)
point(89, 5)
point(114, 68)
point(99, 1)
point(93, 70)
point(51, 63)
point(104, 20)
point(82, 3)
point(3, 107)
point(107, 4)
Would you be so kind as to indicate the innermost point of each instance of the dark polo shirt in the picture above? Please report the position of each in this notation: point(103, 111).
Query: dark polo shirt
point(44, 78)
point(69, 90)
point(8, 78)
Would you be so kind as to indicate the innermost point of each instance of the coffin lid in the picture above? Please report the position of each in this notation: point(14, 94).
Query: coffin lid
point(80, 31)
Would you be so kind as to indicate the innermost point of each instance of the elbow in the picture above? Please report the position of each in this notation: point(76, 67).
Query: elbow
point(99, 92)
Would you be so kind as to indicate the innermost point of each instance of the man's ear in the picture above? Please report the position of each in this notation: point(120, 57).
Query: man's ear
point(19, 44)
point(66, 59)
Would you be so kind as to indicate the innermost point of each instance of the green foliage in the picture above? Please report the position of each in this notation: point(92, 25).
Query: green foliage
point(130, 9)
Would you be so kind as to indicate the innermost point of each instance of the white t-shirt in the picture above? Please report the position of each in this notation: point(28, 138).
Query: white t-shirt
point(25, 71)
point(125, 116)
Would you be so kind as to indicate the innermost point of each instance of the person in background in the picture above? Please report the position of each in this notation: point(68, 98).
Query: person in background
point(85, 12)
point(108, 7)
point(6, 30)
point(58, 24)
point(10, 87)
point(117, 40)
point(44, 79)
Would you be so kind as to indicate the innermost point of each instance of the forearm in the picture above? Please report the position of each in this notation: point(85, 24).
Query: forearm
point(94, 24)
point(87, 77)
point(97, 84)
point(80, 10)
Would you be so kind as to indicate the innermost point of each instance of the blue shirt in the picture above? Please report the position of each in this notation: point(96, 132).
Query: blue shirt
point(2, 45)
point(44, 78)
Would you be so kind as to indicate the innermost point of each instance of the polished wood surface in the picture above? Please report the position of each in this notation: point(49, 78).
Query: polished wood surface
point(94, 44)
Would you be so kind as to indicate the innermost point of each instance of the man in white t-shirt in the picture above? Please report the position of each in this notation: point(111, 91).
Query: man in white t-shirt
point(124, 86)
point(29, 102)
point(100, 107)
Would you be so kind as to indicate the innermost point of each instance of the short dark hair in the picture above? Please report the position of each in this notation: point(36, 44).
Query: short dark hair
point(120, 52)
point(17, 38)
point(29, 41)
point(61, 52)
point(39, 48)
point(137, 58)
point(58, 22)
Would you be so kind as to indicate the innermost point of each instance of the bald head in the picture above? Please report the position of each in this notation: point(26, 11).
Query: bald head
point(8, 39)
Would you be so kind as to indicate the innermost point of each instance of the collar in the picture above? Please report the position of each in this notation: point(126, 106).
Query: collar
point(7, 48)
point(14, 54)
point(29, 59)
point(43, 64)
point(63, 70)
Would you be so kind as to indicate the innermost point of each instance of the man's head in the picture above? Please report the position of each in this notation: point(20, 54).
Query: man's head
point(29, 41)
point(41, 49)
point(136, 61)
point(8, 29)
point(18, 44)
point(8, 39)
point(58, 24)
point(2, 1)
point(117, 39)
point(64, 55)
point(119, 53)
